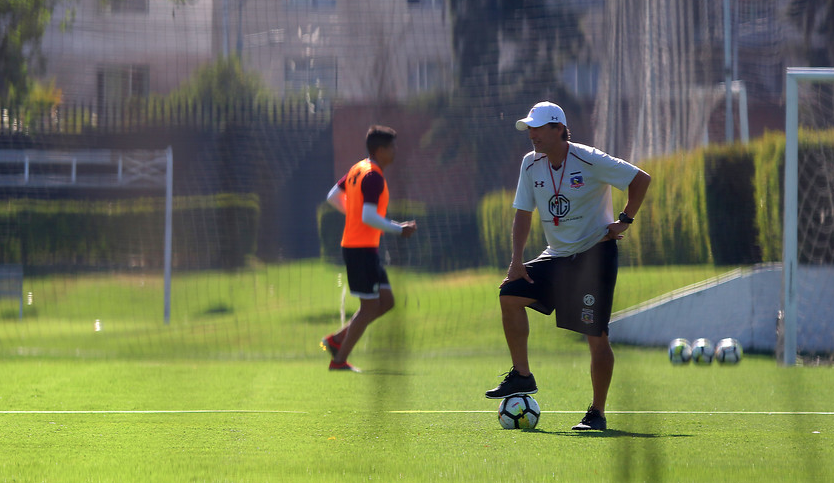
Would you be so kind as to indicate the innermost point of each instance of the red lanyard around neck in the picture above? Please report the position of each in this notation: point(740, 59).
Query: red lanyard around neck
point(552, 180)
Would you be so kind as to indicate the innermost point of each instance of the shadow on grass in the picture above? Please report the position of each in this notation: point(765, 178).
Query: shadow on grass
point(323, 318)
point(218, 309)
point(386, 372)
point(608, 433)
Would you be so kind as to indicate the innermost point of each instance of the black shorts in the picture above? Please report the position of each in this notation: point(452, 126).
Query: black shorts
point(364, 272)
point(580, 288)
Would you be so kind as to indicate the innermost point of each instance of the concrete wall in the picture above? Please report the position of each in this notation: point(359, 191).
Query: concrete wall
point(740, 305)
point(743, 304)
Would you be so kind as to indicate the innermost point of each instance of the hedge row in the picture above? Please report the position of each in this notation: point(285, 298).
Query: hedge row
point(724, 204)
point(208, 232)
point(720, 205)
point(495, 224)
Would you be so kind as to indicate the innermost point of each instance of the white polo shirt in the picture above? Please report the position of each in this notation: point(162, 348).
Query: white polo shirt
point(583, 207)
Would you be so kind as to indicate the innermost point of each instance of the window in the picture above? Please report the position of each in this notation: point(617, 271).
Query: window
point(312, 3)
point(124, 6)
point(118, 84)
point(426, 76)
point(425, 3)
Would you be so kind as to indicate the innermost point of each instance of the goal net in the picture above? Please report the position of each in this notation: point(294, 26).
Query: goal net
point(807, 319)
point(265, 105)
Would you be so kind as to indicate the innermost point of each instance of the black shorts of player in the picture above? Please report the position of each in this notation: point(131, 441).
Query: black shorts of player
point(580, 288)
point(364, 272)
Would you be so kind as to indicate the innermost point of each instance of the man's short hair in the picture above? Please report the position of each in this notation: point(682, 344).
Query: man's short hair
point(565, 133)
point(378, 137)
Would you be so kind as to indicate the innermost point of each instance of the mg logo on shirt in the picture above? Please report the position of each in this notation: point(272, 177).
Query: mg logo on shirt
point(559, 208)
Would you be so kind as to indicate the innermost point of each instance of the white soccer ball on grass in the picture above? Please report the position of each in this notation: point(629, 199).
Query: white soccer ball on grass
point(680, 352)
point(519, 412)
point(702, 351)
point(728, 351)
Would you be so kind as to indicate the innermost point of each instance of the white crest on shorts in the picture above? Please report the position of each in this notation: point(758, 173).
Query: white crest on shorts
point(589, 299)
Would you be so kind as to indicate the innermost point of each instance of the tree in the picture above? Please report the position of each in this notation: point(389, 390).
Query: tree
point(815, 16)
point(22, 25)
point(537, 38)
point(221, 82)
point(541, 35)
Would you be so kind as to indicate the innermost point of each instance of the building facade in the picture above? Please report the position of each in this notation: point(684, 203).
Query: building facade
point(102, 52)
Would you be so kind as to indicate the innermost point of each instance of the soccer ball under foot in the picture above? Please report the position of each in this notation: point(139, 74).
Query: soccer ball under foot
point(519, 412)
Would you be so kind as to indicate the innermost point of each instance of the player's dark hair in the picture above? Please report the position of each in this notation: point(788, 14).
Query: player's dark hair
point(378, 137)
point(565, 133)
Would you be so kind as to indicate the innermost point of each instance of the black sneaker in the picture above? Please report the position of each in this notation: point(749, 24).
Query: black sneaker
point(514, 384)
point(592, 420)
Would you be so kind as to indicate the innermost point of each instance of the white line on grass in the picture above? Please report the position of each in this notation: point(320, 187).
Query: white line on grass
point(410, 411)
point(776, 413)
point(161, 411)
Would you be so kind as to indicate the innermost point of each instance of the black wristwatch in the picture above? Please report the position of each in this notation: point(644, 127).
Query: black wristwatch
point(625, 219)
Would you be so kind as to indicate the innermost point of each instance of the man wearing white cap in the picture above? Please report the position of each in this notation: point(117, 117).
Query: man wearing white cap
point(570, 185)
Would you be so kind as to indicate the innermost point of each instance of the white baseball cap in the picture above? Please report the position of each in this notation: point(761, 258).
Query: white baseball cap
point(541, 114)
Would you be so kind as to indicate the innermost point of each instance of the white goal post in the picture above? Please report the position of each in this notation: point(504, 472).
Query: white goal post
point(128, 169)
point(790, 257)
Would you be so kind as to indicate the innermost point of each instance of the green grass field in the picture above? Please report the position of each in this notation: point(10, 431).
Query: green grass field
point(235, 389)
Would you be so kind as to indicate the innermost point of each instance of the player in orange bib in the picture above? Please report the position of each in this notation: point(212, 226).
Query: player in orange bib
point(362, 195)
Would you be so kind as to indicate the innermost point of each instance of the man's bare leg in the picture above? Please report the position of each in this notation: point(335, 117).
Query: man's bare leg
point(516, 330)
point(602, 369)
point(369, 310)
